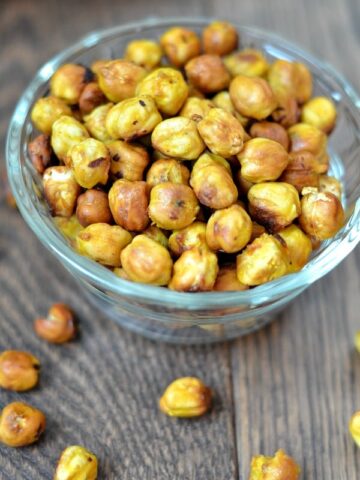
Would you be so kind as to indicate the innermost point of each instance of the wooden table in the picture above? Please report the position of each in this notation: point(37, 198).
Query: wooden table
point(293, 385)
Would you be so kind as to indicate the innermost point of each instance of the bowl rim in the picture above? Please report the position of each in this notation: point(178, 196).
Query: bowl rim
point(102, 277)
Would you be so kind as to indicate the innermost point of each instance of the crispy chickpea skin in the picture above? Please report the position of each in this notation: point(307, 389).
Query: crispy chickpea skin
point(274, 204)
point(167, 170)
point(129, 204)
point(132, 118)
point(60, 190)
point(76, 463)
point(156, 234)
point(90, 162)
point(145, 53)
point(249, 62)
point(272, 131)
point(90, 98)
point(103, 243)
point(186, 397)
point(167, 87)
point(46, 111)
point(21, 424)
point(59, 326)
point(178, 137)
point(19, 371)
point(319, 112)
point(180, 45)
point(118, 79)
point(290, 79)
point(309, 138)
point(330, 184)
point(192, 236)
point(354, 427)
point(227, 280)
point(66, 133)
point(172, 206)
point(195, 270)
point(302, 170)
point(219, 38)
point(252, 97)
point(196, 108)
point(322, 214)
point(229, 230)
point(128, 160)
point(279, 467)
point(95, 122)
point(299, 247)
point(40, 152)
point(207, 73)
point(147, 261)
point(93, 207)
point(262, 160)
point(68, 82)
point(222, 133)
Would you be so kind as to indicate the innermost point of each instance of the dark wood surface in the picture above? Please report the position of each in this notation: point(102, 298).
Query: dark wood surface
point(293, 385)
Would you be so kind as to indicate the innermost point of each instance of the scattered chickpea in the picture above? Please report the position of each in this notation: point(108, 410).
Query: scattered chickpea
point(21, 424)
point(46, 111)
point(76, 463)
point(249, 62)
point(90, 98)
point(68, 82)
point(167, 170)
point(227, 280)
point(302, 170)
point(19, 371)
point(192, 236)
point(219, 38)
point(180, 45)
point(93, 207)
point(40, 152)
point(67, 133)
point(299, 247)
point(95, 122)
point(279, 467)
point(196, 108)
point(61, 190)
point(272, 131)
point(145, 53)
point(207, 73)
point(118, 79)
point(186, 397)
point(59, 326)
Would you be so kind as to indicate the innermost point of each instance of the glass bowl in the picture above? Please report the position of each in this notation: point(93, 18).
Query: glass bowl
point(157, 312)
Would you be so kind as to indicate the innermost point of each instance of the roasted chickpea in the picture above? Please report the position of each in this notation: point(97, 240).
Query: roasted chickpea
point(196, 108)
point(222, 132)
point(178, 137)
point(257, 230)
point(309, 138)
point(40, 152)
point(207, 73)
point(19, 371)
point(252, 97)
point(195, 271)
point(59, 326)
point(290, 79)
point(60, 190)
point(46, 111)
point(210, 159)
point(172, 206)
point(132, 118)
point(68, 82)
point(118, 79)
point(299, 247)
point(302, 170)
point(322, 214)
point(95, 122)
point(227, 281)
point(69, 227)
point(186, 397)
point(192, 236)
point(129, 204)
point(274, 204)
point(330, 184)
point(98, 64)
point(66, 133)
point(223, 100)
point(272, 131)
point(279, 467)
point(287, 112)
point(249, 62)
point(76, 463)
point(156, 234)
point(90, 98)
point(219, 38)
point(93, 207)
point(120, 272)
point(128, 160)
point(180, 45)
point(319, 112)
point(262, 160)
point(167, 87)
point(21, 424)
point(145, 53)
point(103, 243)
point(229, 230)
point(147, 261)
point(167, 170)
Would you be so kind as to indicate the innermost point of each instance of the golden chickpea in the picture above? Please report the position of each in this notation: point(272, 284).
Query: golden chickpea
point(219, 38)
point(279, 467)
point(21, 424)
point(90, 98)
point(196, 108)
point(178, 137)
point(192, 236)
point(330, 184)
point(19, 371)
point(95, 122)
point(257, 231)
point(60, 190)
point(68, 82)
point(299, 247)
point(210, 159)
point(172, 206)
point(98, 64)
point(128, 160)
point(145, 53)
point(249, 62)
point(262, 160)
point(103, 243)
point(118, 79)
point(132, 118)
point(272, 131)
point(322, 214)
point(290, 79)
point(274, 204)
point(186, 397)
point(222, 133)
point(46, 111)
point(287, 112)
point(354, 428)
point(90, 162)
point(195, 271)
point(93, 207)
point(302, 170)
point(319, 112)
point(229, 230)
point(147, 261)
point(227, 280)
point(40, 152)
point(76, 463)
point(156, 234)
point(69, 227)
point(309, 138)
point(167, 87)
point(357, 341)
point(207, 73)
point(129, 204)
point(59, 326)
point(167, 170)
point(120, 272)
point(223, 100)
point(252, 97)
point(180, 45)
point(66, 133)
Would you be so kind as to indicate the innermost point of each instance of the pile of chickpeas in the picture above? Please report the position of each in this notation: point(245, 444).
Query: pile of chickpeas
point(188, 163)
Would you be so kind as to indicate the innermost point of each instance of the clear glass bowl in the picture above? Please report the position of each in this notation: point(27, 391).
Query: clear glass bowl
point(157, 312)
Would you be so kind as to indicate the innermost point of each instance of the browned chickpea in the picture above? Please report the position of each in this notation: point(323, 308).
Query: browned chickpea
point(287, 112)
point(207, 73)
point(192, 236)
point(90, 98)
point(249, 62)
point(40, 152)
point(167, 170)
point(68, 82)
point(223, 100)
point(118, 79)
point(194, 92)
point(257, 230)
point(330, 184)
point(262, 160)
point(60, 190)
point(145, 53)
point(172, 206)
point(93, 207)
point(320, 112)
point(196, 108)
point(302, 170)
point(299, 247)
point(219, 38)
point(156, 234)
point(279, 467)
point(272, 131)
point(290, 79)
point(252, 97)
point(128, 160)
point(21, 424)
point(309, 138)
point(95, 122)
point(98, 64)
point(46, 111)
point(19, 371)
point(66, 133)
point(227, 281)
point(129, 204)
point(180, 45)
point(147, 261)
point(59, 326)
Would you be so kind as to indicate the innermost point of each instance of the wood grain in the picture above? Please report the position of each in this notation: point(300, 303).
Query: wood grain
point(293, 385)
